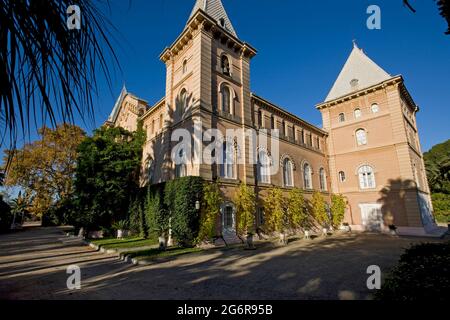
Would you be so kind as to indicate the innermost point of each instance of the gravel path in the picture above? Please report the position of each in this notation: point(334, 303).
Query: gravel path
point(33, 265)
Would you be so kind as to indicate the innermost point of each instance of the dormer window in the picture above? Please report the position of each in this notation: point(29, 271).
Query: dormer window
point(222, 22)
point(225, 65)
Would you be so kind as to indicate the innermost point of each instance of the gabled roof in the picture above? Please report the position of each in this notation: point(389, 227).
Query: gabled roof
point(115, 112)
point(359, 72)
point(214, 9)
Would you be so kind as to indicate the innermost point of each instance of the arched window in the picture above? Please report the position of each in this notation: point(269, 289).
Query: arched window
point(263, 167)
point(227, 168)
point(225, 65)
point(150, 170)
point(342, 176)
point(366, 177)
point(182, 102)
point(361, 137)
point(416, 176)
point(226, 100)
point(358, 113)
point(322, 179)
point(307, 176)
point(375, 108)
point(288, 173)
point(184, 66)
point(341, 117)
point(180, 166)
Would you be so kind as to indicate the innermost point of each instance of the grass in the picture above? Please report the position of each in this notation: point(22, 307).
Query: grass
point(153, 254)
point(113, 243)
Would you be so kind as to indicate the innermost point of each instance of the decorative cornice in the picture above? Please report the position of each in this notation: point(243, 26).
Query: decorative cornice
point(201, 21)
point(287, 115)
point(397, 80)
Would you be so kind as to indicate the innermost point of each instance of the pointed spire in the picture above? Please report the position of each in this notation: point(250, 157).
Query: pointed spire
point(359, 72)
point(118, 104)
point(215, 9)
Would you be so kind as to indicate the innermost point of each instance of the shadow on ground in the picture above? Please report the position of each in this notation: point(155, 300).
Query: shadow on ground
point(33, 266)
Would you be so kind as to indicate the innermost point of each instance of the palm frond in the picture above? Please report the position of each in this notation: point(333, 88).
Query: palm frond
point(48, 72)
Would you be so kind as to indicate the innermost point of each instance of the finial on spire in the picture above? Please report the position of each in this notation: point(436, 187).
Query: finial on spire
point(355, 45)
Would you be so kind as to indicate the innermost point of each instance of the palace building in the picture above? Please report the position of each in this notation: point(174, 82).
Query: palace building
point(368, 149)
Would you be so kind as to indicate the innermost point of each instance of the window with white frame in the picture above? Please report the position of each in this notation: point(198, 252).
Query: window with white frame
point(375, 108)
point(307, 176)
point(357, 113)
point(366, 177)
point(361, 137)
point(227, 168)
point(323, 179)
point(288, 173)
point(263, 167)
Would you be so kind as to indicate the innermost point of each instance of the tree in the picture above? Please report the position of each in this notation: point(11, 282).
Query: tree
point(297, 214)
point(437, 162)
point(47, 70)
point(45, 168)
point(245, 209)
point(19, 207)
point(106, 175)
point(319, 208)
point(444, 10)
point(5, 210)
point(137, 218)
point(157, 219)
point(212, 200)
point(338, 205)
point(185, 218)
point(275, 210)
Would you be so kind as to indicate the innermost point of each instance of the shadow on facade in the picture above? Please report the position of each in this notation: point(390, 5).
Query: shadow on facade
point(393, 198)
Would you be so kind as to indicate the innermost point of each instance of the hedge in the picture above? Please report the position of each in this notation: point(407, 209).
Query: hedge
point(180, 197)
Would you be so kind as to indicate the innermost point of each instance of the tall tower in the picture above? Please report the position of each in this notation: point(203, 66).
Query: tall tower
point(206, 63)
point(374, 149)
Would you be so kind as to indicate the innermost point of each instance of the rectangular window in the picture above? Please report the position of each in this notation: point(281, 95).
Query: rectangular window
point(228, 217)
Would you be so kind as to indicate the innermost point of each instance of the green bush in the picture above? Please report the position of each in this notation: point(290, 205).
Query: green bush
point(338, 206)
point(180, 198)
point(212, 199)
point(421, 274)
point(137, 218)
point(441, 206)
point(157, 219)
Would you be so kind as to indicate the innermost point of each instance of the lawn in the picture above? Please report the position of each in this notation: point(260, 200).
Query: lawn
point(113, 243)
point(153, 254)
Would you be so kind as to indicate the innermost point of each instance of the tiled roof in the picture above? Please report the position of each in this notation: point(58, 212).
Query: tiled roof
point(359, 72)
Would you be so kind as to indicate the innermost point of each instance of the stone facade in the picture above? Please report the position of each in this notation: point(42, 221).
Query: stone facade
point(208, 81)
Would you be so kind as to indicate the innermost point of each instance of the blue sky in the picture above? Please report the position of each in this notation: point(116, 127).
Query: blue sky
point(302, 45)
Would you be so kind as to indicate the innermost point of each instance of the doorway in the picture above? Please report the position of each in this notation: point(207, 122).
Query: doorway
point(372, 217)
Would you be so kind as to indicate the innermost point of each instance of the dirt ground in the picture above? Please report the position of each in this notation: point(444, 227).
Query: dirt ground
point(33, 265)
